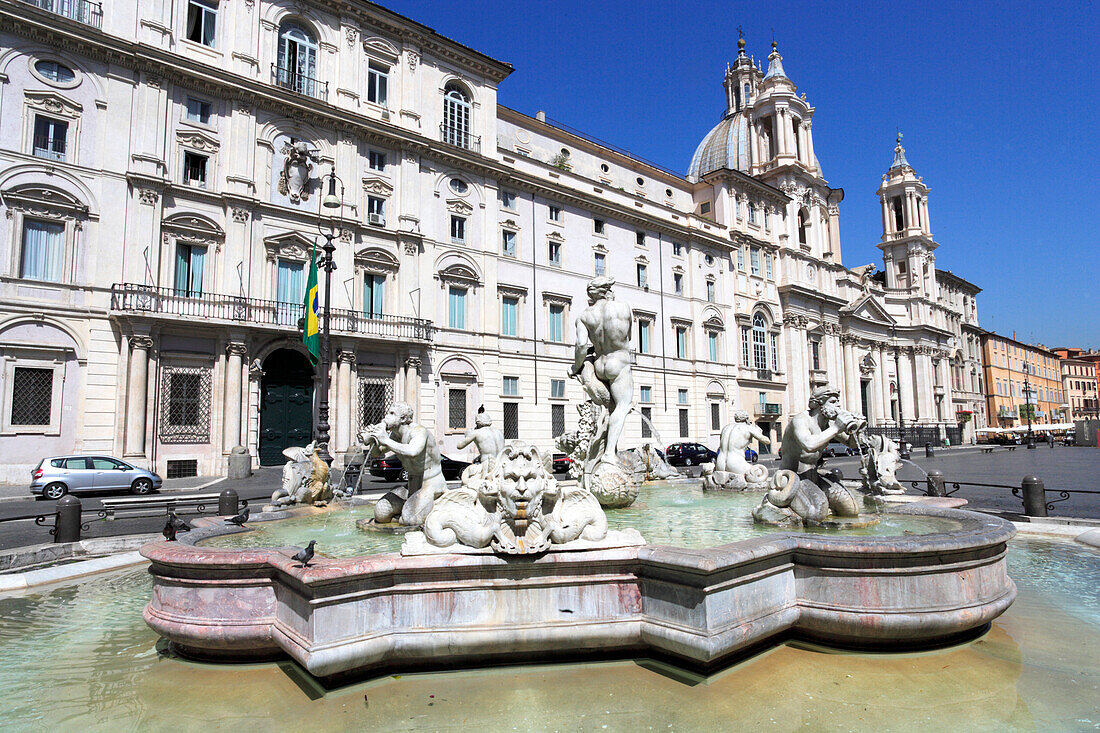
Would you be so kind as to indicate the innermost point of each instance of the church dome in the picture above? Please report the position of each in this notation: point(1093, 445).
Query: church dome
point(726, 146)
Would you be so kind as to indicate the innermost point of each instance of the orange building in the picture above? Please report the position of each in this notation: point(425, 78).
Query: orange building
point(1019, 377)
point(1080, 376)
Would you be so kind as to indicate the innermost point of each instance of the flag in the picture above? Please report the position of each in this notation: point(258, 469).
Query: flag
point(310, 331)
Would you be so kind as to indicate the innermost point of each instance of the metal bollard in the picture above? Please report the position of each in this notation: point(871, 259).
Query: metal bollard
point(228, 504)
point(934, 484)
point(928, 452)
point(1035, 497)
point(67, 523)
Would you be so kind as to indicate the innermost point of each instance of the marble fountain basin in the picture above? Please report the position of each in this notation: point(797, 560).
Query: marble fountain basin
point(697, 607)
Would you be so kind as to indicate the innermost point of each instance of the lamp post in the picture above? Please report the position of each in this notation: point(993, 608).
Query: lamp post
point(333, 203)
point(903, 449)
point(1027, 405)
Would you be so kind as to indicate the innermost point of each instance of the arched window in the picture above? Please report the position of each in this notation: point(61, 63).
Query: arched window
point(803, 227)
point(456, 116)
point(759, 342)
point(297, 61)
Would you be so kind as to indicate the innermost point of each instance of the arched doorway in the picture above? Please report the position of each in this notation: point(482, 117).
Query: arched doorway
point(286, 405)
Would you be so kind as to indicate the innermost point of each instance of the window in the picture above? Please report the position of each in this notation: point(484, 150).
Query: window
point(511, 387)
point(759, 342)
point(767, 219)
point(709, 259)
point(554, 254)
point(704, 208)
point(184, 398)
point(557, 388)
point(54, 71)
point(508, 308)
point(740, 259)
point(31, 396)
point(599, 264)
point(459, 186)
point(775, 351)
point(639, 238)
point(202, 16)
point(684, 423)
point(643, 280)
point(376, 161)
point(296, 66)
point(745, 331)
point(815, 355)
point(678, 283)
point(803, 228)
point(712, 345)
point(754, 261)
point(374, 295)
point(50, 137)
point(508, 200)
point(198, 111)
point(640, 181)
point(677, 249)
point(598, 226)
point(647, 421)
point(645, 393)
point(376, 210)
point(681, 396)
point(508, 243)
point(557, 323)
point(43, 250)
point(289, 292)
point(189, 269)
point(715, 416)
point(456, 409)
point(194, 169)
point(458, 230)
point(710, 291)
point(511, 420)
point(681, 342)
point(456, 307)
point(555, 213)
point(378, 81)
point(456, 116)
point(768, 266)
point(752, 213)
point(643, 336)
point(557, 420)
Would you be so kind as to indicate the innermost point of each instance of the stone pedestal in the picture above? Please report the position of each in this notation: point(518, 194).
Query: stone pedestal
point(240, 463)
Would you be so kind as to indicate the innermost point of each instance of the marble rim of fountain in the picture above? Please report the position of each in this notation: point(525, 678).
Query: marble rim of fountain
point(697, 606)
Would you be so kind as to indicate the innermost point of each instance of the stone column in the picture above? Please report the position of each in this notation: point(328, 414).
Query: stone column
point(345, 400)
point(885, 216)
point(235, 352)
point(851, 375)
point(926, 393)
point(906, 403)
point(880, 386)
point(798, 374)
point(412, 382)
point(137, 406)
point(811, 159)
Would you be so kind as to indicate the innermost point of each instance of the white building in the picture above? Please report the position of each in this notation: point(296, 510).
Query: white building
point(157, 245)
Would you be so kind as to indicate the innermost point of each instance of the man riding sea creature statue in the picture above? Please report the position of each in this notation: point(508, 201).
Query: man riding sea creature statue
point(731, 471)
point(416, 447)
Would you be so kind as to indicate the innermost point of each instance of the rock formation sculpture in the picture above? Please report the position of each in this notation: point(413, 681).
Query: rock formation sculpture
point(731, 472)
point(416, 447)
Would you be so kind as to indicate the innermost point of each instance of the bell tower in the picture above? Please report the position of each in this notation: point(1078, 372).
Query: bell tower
point(741, 79)
point(907, 243)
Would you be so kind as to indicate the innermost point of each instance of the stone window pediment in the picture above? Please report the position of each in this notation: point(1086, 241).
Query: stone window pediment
point(375, 260)
point(459, 274)
point(556, 299)
point(714, 323)
point(513, 291)
point(52, 103)
point(643, 315)
point(381, 49)
point(198, 140)
point(460, 207)
point(45, 201)
point(678, 321)
point(291, 246)
point(555, 237)
point(192, 229)
point(377, 186)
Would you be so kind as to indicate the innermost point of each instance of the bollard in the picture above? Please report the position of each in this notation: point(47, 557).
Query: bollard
point(934, 482)
point(1035, 497)
point(928, 452)
point(228, 504)
point(67, 523)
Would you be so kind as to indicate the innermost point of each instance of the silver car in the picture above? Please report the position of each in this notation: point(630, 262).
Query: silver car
point(55, 477)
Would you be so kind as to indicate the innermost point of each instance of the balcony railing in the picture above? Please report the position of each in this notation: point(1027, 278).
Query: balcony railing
point(769, 409)
point(300, 83)
point(459, 138)
point(154, 301)
point(79, 10)
point(49, 147)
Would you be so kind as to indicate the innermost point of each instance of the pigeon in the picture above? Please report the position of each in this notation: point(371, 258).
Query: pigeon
point(169, 530)
point(240, 519)
point(305, 555)
point(181, 525)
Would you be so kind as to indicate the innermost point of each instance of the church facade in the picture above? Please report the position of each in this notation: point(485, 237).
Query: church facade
point(162, 170)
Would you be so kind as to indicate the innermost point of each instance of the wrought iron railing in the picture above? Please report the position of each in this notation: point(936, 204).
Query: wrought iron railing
point(79, 10)
point(49, 147)
point(300, 83)
point(769, 408)
point(151, 300)
point(459, 138)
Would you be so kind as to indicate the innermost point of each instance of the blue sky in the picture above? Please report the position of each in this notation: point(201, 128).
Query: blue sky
point(997, 103)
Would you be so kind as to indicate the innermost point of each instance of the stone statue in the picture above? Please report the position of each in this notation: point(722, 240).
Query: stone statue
point(602, 365)
point(731, 471)
point(517, 508)
point(799, 493)
point(419, 454)
point(864, 273)
point(294, 178)
point(880, 464)
point(655, 466)
point(577, 442)
point(305, 479)
point(488, 440)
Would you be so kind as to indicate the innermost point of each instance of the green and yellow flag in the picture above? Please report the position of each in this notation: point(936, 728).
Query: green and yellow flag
point(310, 331)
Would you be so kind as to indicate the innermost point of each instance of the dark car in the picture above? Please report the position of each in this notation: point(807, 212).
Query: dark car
point(832, 450)
point(390, 468)
point(689, 454)
point(751, 456)
point(561, 463)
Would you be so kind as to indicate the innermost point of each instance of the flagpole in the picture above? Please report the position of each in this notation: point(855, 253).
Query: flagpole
point(334, 204)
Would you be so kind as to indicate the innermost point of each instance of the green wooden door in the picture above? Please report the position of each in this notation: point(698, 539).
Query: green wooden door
point(286, 405)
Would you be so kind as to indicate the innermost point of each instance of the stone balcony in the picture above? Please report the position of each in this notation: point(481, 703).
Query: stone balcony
point(768, 409)
point(148, 301)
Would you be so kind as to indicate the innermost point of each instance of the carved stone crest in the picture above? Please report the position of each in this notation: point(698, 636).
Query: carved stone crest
point(294, 180)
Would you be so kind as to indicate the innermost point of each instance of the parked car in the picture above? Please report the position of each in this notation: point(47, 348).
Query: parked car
point(689, 454)
point(751, 456)
point(60, 475)
point(561, 463)
point(832, 450)
point(390, 468)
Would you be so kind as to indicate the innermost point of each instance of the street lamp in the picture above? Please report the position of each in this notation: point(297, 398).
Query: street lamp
point(903, 449)
point(331, 231)
point(1027, 404)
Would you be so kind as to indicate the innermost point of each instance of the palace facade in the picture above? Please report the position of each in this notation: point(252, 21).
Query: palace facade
point(162, 166)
